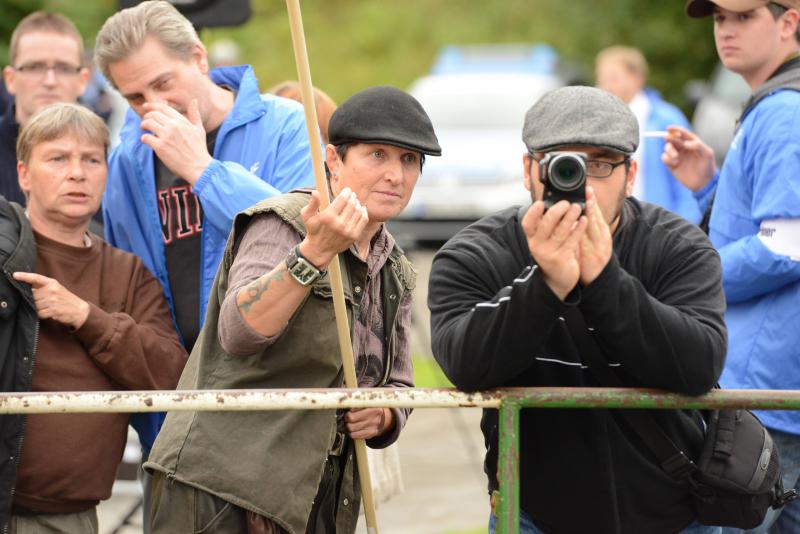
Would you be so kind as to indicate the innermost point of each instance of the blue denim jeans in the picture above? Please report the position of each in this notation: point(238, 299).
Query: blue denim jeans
point(526, 526)
point(785, 520)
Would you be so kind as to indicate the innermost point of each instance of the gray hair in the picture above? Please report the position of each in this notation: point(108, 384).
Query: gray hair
point(55, 121)
point(126, 31)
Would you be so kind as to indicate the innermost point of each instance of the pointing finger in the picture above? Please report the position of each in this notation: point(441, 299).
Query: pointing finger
point(36, 280)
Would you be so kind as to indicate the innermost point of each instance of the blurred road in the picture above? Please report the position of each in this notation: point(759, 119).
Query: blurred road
point(441, 457)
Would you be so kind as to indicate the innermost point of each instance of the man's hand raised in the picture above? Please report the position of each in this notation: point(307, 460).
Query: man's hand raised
point(178, 141)
point(554, 241)
point(54, 301)
point(688, 158)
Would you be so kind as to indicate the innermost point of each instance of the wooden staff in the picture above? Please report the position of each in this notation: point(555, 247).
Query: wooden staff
point(340, 311)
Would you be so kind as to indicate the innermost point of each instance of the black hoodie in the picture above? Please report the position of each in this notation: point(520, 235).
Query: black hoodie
point(657, 314)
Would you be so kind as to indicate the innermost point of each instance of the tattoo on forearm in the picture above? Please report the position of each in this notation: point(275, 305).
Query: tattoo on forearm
point(256, 288)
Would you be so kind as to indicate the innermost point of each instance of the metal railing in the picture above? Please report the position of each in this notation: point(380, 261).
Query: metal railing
point(508, 401)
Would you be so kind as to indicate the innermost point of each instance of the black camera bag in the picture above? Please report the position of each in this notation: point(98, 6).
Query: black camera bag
point(737, 477)
point(738, 473)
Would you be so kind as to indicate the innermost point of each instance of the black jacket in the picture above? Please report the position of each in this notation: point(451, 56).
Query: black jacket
point(19, 328)
point(657, 314)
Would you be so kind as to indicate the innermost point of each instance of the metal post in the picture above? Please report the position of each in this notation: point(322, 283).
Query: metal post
point(508, 468)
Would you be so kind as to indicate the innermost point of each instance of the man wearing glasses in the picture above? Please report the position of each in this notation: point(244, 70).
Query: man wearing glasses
point(514, 296)
point(45, 67)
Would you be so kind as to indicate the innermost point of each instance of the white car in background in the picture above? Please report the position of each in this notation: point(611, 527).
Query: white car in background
point(478, 119)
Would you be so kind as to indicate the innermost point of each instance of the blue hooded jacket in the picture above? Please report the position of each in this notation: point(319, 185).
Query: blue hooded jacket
point(760, 180)
point(261, 150)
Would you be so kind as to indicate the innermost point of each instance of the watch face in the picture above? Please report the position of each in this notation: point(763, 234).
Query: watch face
point(304, 272)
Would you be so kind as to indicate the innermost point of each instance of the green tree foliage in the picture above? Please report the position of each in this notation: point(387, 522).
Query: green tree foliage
point(13, 11)
point(356, 43)
point(88, 16)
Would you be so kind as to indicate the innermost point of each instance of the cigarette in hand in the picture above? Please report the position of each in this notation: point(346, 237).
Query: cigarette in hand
point(655, 133)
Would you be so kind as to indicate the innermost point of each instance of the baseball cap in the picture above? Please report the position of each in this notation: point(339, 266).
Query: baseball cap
point(704, 8)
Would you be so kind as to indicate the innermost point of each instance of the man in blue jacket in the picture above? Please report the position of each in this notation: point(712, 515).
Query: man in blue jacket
point(622, 70)
point(197, 147)
point(755, 220)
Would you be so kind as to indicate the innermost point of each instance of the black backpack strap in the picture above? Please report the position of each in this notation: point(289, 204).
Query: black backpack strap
point(706, 220)
point(673, 460)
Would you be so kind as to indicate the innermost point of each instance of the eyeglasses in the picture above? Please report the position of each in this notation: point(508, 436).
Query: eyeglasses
point(596, 168)
point(39, 70)
point(602, 169)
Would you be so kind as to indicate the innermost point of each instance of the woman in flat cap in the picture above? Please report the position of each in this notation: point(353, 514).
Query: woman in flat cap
point(270, 324)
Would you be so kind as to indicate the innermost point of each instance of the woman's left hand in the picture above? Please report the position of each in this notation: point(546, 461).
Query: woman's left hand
point(367, 423)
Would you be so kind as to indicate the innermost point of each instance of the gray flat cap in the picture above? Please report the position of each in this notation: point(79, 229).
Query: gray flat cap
point(583, 116)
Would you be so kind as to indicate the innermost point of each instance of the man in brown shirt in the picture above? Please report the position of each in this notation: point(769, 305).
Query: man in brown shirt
point(103, 325)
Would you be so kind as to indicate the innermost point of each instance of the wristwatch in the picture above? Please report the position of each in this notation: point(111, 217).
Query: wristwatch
point(301, 269)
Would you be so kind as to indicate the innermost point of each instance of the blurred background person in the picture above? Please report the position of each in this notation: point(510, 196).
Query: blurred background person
point(45, 66)
point(324, 104)
point(224, 53)
point(622, 70)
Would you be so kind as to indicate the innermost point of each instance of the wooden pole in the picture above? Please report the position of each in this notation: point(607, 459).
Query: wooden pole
point(340, 310)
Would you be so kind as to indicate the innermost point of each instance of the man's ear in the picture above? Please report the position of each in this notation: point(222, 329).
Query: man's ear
point(84, 74)
point(791, 18)
point(8, 78)
point(526, 171)
point(200, 57)
point(334, 163)
point(23, 178)
point(630, 179)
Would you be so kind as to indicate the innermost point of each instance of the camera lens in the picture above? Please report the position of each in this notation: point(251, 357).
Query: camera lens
point(567, 172)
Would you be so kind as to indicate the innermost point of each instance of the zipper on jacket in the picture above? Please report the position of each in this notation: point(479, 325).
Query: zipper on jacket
point(24, 421)
point(389, 358)
point(29, 382)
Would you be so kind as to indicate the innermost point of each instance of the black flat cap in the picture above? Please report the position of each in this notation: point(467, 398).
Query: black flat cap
point(384, 115)
point(582, 116)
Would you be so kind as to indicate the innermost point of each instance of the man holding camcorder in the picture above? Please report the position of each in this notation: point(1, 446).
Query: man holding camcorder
point(511, 297)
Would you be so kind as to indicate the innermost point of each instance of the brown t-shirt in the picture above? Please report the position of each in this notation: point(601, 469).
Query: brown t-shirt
point(69, 461)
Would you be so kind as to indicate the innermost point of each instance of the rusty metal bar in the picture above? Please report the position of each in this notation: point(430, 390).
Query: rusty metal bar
point(753, 399)
point(509, 400)
point(508, 468)
point(240, 400)
point(284, 399)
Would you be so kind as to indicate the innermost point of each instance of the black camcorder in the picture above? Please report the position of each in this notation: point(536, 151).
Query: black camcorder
point(564, 177)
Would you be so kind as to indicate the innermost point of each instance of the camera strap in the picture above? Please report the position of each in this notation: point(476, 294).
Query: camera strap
point(672, 460)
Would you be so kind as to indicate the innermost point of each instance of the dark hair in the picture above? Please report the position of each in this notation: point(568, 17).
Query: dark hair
point(777, 10)
point(341, 151)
